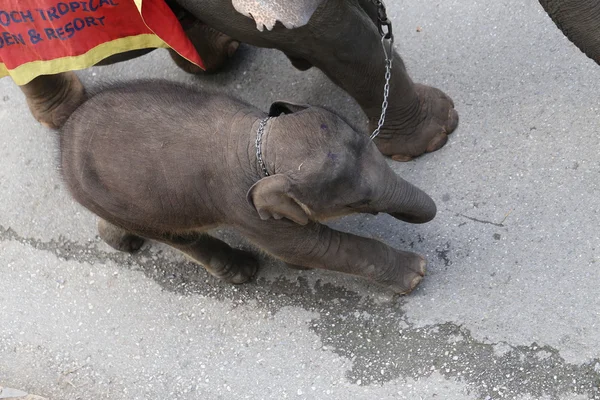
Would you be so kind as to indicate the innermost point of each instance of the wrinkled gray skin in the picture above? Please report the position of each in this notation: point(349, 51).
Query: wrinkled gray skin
point(339, 37)
point(190, 165)
point(579, 20)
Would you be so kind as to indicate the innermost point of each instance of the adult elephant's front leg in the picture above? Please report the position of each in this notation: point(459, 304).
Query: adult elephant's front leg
point(342, 40)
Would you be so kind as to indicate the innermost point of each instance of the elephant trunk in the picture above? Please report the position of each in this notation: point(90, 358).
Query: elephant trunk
point(406, 202)
point(579, 20)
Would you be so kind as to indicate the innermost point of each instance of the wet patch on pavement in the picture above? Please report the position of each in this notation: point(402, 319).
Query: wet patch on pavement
point(376, 336)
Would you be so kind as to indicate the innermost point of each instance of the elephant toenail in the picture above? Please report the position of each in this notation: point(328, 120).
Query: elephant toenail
point(416, 280)
point(422, 266)
point(233, 48)
point(452, 120)
point(401, 158)
point(437, 142)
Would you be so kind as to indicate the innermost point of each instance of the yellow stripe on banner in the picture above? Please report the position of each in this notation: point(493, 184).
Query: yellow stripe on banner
point(138, 4)
point(26, 72)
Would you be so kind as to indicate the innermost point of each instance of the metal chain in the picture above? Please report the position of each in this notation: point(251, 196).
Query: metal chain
point(258, 144)
point(386, 34)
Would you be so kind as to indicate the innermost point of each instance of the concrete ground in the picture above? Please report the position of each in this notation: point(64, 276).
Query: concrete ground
point(510, 307)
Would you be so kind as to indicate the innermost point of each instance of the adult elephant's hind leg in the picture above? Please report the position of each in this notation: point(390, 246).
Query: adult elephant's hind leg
point(215, 49)
point(52, 98)
point(342, 40)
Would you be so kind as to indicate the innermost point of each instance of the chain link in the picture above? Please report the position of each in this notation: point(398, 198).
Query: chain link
point(383, 21)
point(258, 144)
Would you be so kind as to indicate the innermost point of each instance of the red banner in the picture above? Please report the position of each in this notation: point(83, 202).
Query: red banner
point(39, 37)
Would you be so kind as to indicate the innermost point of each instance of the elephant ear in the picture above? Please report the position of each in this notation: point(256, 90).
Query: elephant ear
point(291, 13)
point(272, 197)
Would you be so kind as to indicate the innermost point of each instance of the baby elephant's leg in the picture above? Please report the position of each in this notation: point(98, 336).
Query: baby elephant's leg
point(119, 238)
point(220, 260)
point(318, 246)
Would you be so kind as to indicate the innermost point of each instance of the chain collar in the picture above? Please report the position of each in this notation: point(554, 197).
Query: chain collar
point(258, 145)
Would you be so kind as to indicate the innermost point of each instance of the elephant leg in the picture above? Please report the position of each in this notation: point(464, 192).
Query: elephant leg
point(53, 98)
point(342, 40)
point(217, 257)
point(215, 49)
point(318, 246)
point(118, 238)
point(370, 8)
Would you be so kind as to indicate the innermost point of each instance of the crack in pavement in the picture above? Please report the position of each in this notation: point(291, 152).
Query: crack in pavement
point(482, 221)
point(382, 344)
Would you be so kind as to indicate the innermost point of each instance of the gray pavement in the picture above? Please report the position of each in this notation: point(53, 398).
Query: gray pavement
point(510, 307)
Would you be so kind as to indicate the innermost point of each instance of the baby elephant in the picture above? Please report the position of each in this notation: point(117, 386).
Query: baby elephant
point(165, 162)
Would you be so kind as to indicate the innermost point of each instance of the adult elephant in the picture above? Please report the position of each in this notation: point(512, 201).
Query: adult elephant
point(579, 20)
point(340, 37)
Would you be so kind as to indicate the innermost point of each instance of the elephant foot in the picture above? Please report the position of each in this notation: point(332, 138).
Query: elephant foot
point(408, 277)
point(240, 267)
point(423, 130)
point(53, 98)
point(119, 239)
point(215, 49)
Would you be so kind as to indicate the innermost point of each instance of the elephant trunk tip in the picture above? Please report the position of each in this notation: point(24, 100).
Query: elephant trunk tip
point(416, 218)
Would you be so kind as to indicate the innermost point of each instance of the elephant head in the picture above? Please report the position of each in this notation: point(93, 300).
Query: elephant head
point(325, 169)
point(579, 20)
